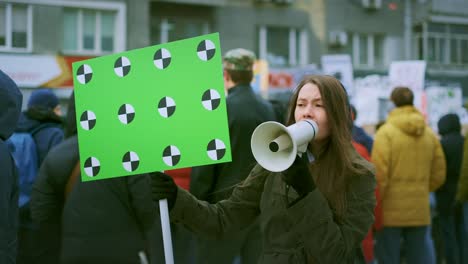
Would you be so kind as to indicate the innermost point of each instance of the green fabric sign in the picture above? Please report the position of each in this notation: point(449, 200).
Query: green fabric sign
point(157, 108)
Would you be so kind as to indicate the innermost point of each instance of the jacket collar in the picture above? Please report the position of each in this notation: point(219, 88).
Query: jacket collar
point(238, 89)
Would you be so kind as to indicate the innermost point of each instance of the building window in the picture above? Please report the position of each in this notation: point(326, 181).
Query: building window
point(367, 50)
point(172, 21)
point(15, 27)
point(442, 44)
point(282, 46)
point(89, 31)
point(171, 29)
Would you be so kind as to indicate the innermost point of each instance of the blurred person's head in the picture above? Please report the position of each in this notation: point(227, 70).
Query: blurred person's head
point(44, 100)
point(449, 123)
point(238, 67)
point(402, 96)
point(10, 106)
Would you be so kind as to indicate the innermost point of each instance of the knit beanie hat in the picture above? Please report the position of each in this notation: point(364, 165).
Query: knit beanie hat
point(43, 98)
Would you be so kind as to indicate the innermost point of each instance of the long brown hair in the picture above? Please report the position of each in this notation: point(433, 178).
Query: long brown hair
point(334, 162)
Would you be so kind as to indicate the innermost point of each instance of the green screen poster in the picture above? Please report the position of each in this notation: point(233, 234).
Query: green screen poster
point(157, 108)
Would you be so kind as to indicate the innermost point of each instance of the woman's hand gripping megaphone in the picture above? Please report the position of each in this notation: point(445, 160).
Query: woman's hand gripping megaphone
point(299, 177)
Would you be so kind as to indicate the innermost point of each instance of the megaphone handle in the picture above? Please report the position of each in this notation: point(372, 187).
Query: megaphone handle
point(302, 149)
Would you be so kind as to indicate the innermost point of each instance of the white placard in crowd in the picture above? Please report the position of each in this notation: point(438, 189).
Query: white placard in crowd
point(370, 93)
point(408, 73)
point(443, 100)
point(341, 67)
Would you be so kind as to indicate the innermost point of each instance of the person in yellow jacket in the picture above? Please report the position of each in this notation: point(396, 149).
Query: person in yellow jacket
point(461, 199)
point(410, 164)
point(462, 191)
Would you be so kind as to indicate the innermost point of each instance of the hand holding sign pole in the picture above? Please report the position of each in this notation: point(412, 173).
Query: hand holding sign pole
point(152, 109)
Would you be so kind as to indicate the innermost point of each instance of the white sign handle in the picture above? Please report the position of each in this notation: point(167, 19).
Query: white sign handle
point(166, 231)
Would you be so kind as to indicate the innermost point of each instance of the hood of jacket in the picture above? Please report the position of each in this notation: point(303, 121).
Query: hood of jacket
point(26, 124)
point(30, 121)
point(449, 123)
point(10, 105)
point(408, 119)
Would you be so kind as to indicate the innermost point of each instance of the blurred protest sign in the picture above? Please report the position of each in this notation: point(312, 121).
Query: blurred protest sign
point(408, 73)
point(340, 66)
point(260, 79)
point(289, 78)
point(442, 100)
point(371, 99)
point(412, 75)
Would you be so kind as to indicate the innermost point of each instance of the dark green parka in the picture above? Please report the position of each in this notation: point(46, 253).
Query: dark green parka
point(303, 233)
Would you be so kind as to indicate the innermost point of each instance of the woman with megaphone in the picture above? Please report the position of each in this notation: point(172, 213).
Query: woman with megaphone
point(318, 210)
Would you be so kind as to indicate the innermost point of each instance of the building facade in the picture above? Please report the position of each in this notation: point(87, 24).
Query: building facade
point(40, 39)
point(286, 33)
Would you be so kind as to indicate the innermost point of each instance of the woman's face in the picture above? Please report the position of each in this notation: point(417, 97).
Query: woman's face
point(309, 105)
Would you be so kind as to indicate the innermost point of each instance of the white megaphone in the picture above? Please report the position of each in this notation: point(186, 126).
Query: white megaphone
point(275, 146)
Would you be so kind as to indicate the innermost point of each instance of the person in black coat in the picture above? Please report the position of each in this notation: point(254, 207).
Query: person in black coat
point(246, 110)
point(10, 108)
point(43, 120)
point(106, 221)
point(452, 144)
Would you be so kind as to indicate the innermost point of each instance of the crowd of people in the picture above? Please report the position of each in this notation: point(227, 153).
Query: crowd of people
point(350, 198)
